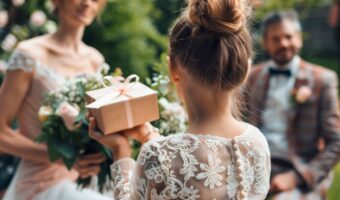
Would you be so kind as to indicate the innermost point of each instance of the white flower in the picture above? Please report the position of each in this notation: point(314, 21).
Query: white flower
point(213, 144)
point(175, 109)
point(64, 89)
point(69, 115)
point(38, 18)
point(18, 2)
point(49, 6)
point(3, 18)
point(163, 102)
point(303, 94)
point(44, 113)
point(3, 66)
point(104, 69)
point(50, 26)
point(189, 193)
point(212, 176)
point(9, 42)
point(72, 95)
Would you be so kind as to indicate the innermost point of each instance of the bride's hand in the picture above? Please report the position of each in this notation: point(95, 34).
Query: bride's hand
point(142, 133)
point(117, 142)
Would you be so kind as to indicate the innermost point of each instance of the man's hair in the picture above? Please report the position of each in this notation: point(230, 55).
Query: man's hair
point(279, 16)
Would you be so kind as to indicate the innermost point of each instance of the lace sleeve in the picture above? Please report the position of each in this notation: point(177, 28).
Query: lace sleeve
point(122, 170)
point(132, 179)
point(21, 61)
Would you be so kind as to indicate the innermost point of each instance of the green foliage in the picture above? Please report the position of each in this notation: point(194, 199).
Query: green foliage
point(333, 193)
point(302, 5)
point(1, 78)
point(165, 14)
point(128, 38)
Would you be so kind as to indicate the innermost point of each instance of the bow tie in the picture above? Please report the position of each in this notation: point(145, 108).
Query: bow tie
point(280, 72)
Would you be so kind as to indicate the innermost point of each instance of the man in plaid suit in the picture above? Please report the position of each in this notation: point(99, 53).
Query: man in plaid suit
point(295, 104)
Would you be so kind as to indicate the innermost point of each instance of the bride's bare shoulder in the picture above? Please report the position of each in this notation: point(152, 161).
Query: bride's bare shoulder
point(96, 57)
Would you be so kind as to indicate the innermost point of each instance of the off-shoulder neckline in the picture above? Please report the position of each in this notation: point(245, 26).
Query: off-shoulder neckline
point(47, 67)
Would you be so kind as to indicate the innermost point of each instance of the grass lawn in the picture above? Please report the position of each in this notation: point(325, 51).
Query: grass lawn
point(330, 63)
point(334, 192)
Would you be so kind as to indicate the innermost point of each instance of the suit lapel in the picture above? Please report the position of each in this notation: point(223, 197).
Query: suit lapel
point(260, 96)
point(304, 77)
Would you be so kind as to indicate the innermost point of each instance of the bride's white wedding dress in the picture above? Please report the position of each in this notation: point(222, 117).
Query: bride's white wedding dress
point(188, 166)
point(34, 180)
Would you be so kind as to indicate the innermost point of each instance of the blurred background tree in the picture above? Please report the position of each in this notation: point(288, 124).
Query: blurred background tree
point(128, 36)
point(266, 6)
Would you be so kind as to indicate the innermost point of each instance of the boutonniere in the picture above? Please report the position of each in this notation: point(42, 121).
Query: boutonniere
point(302, 94)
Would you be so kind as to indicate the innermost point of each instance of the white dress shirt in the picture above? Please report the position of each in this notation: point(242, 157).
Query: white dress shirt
point(277, 108)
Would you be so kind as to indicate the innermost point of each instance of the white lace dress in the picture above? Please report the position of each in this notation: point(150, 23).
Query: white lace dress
point(188, 166)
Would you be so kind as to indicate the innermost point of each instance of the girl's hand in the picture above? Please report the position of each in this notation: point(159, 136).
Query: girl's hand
point(142, 133)
point(117, 142)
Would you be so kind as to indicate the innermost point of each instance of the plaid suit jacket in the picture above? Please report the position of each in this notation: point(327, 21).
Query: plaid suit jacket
point(309, 123)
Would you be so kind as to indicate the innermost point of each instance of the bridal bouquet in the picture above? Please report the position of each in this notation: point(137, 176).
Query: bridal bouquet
point(65, 126)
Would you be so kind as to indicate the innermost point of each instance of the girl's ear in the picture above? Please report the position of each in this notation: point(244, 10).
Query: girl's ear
point(173, 71)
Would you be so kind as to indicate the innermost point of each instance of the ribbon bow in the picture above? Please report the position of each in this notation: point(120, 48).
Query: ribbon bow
point(120, 87)
point(278, 72)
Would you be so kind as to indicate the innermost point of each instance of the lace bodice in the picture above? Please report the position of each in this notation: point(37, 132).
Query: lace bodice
point(187, 166)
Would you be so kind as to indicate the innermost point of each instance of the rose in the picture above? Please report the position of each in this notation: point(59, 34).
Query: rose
point(303, 94)
point(3, 18)
point(3, 67)
point(172, 108)
point(50, 26)
point(18, 2)
point(38, 18)
point(9, 42)
point(69, 114)
point(44, 113)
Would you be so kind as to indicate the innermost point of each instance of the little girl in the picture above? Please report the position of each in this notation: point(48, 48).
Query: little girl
point(220, 157)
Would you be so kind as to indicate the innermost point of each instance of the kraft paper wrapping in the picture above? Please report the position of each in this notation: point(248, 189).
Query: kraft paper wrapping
point(124, 110)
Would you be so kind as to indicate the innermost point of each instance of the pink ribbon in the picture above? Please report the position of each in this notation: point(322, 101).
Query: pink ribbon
point(120, 87)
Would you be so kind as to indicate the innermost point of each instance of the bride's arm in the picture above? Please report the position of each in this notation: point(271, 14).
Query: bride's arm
point(12, 94)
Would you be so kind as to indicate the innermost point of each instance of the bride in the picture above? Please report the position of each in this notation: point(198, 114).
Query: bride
point(220, 157)
point(37, 66)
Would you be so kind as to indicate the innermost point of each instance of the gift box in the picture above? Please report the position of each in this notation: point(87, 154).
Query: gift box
point(122, 104)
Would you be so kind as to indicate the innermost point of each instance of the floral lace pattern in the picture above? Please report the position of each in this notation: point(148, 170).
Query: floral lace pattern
point(187, 166)
point(23, 61)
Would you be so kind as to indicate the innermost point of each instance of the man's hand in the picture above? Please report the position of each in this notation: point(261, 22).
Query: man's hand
point(284, 182)
point(89, 165)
